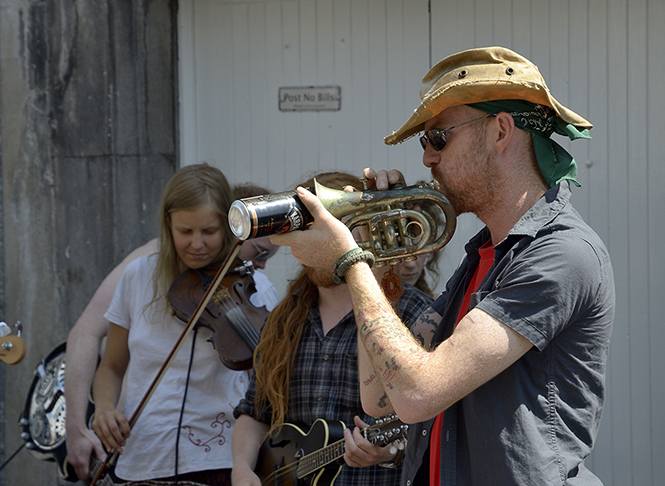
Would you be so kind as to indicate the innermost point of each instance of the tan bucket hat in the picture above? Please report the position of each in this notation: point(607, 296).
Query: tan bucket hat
point(476, 75)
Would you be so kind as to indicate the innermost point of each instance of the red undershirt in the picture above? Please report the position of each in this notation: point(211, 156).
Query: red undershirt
point(486, 253)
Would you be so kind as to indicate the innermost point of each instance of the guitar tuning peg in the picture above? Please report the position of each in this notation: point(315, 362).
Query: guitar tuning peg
point(19, 328)
point(5, 330)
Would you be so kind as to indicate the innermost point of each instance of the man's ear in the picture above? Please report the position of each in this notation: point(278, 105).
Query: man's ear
point(504, 126)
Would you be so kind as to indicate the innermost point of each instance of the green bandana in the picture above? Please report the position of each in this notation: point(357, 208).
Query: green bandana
point(554, 162)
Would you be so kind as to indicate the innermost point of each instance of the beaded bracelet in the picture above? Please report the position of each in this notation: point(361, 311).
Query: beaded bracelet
point(347, 260)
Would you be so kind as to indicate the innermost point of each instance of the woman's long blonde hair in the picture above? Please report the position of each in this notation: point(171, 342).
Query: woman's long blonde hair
point(190, 187)
point(276, 352)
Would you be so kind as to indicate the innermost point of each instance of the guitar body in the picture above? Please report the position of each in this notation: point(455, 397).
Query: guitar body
point(12, 349)
point(295, 458)
point(43, 418)
point(279, 457)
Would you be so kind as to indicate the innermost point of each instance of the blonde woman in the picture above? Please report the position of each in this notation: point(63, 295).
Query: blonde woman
point(184, 434)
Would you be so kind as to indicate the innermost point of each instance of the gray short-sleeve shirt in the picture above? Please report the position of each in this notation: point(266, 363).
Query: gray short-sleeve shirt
point(535, 422)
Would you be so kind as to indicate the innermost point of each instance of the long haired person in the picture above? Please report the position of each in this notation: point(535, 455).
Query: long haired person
point(184, 433)
point(306, 368)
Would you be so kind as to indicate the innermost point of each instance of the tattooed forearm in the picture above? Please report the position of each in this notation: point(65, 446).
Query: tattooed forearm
point(388, 343)
point(390, 369)
point(389, 348)
point(381, 334)
point(424, 327)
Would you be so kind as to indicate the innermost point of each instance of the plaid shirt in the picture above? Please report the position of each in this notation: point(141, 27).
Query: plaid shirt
point(324, 383)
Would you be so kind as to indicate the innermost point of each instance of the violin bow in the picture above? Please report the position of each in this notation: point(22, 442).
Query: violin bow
point(223, 269)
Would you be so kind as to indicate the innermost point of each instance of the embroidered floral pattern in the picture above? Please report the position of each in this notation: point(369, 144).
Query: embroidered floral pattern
point(219, 439)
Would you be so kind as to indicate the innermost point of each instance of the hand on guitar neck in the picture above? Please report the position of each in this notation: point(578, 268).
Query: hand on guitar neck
point(360, 452)
point(89, 445)
point(86, 453)
point(83, 450)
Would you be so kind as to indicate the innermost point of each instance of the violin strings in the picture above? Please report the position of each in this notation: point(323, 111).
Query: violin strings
point(239, 321)
point(243, 326)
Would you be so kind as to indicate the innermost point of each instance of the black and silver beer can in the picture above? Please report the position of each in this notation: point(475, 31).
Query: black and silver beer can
point(269, 214)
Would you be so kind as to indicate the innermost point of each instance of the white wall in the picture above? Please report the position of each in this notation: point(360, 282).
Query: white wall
point(603, 58)
point(236, 55)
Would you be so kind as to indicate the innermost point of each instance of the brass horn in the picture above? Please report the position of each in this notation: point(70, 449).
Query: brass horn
point(396, 224)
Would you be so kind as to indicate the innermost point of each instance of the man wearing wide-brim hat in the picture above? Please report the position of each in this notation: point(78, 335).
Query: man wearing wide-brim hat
point(511, 389)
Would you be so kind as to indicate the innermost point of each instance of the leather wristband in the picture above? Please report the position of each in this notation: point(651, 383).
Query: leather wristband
point(347, 260)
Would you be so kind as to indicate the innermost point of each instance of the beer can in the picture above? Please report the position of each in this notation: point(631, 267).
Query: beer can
point(269, 214)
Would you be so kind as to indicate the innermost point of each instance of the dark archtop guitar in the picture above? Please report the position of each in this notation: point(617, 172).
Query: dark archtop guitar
point(296, 458)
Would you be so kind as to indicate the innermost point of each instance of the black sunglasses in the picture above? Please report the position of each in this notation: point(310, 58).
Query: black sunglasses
point(436, 137)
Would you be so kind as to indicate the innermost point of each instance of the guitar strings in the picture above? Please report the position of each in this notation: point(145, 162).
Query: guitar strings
point(308, 459)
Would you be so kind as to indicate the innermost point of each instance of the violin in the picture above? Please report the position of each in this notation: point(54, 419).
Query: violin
point(235, 322)
point(221, 294)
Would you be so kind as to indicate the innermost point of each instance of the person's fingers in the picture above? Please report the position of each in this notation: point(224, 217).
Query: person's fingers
point(312, 202)
point(352, 453)
point(112, 428)
point(382, 179)
point(359, 422)
point(395, 176)
point(97, 446)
